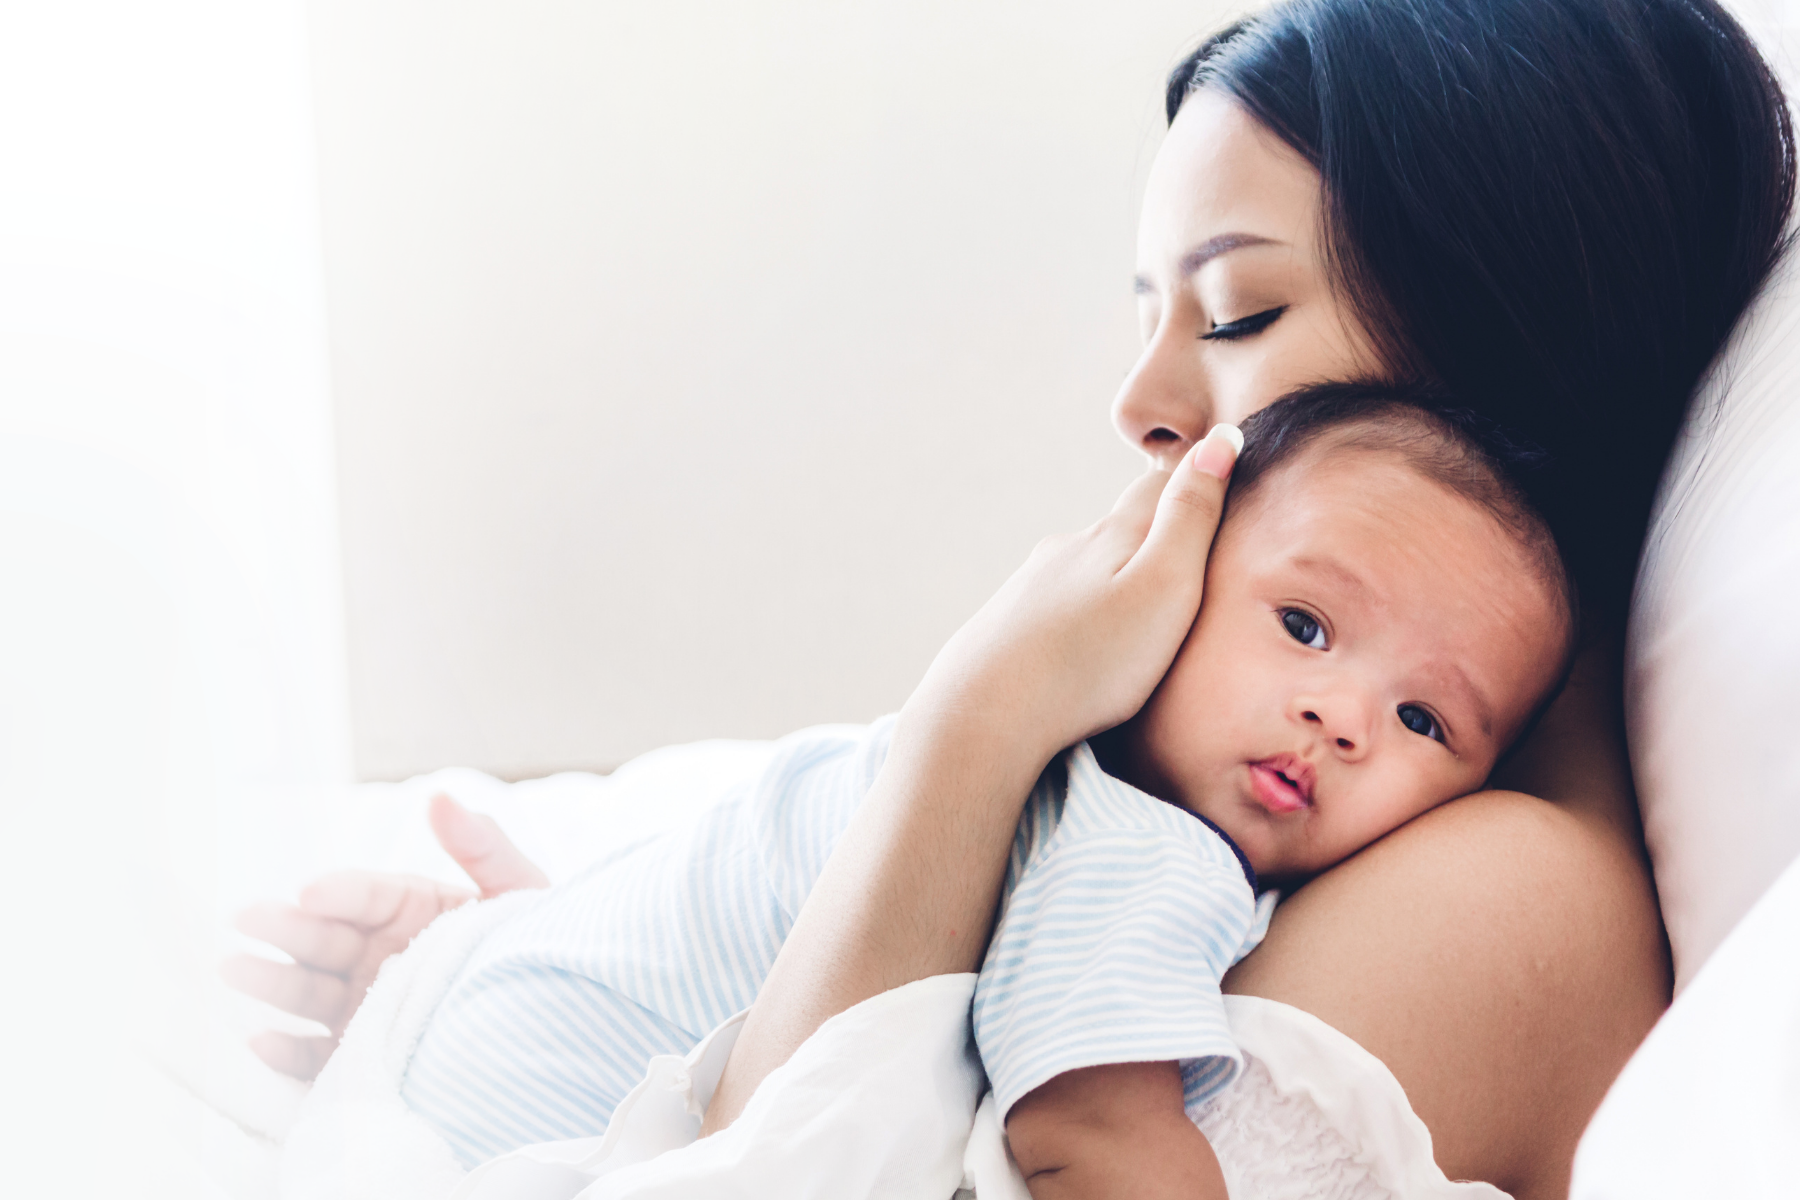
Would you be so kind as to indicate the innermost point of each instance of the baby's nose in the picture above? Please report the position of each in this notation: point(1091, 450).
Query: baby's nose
point(1341, 719)
point(1343, 743)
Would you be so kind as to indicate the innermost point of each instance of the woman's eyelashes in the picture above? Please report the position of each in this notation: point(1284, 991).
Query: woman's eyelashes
point(1420, 721)
point(1304, 628)
point(1231, 331)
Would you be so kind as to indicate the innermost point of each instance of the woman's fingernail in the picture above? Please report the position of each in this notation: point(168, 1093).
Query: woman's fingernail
point(1218, 451)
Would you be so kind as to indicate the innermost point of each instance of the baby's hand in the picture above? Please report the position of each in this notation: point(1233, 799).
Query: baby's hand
point(349, 923)
point(1113, 1131)
point(1077, 639)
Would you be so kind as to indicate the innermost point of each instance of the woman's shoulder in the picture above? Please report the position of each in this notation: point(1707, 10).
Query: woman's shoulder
point(1502, 955)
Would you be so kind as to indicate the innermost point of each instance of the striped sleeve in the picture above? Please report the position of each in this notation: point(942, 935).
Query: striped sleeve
point(551, 1022)
point(1118, 926)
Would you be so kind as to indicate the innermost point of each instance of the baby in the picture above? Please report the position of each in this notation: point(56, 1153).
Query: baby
point(1383, 616)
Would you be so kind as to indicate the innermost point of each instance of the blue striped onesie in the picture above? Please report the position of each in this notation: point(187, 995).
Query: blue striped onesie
point(1120, 915)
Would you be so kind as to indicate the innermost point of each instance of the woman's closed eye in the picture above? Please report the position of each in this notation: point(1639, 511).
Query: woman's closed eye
point(1304, 628)
point(1420, 721)
point(1231, 331)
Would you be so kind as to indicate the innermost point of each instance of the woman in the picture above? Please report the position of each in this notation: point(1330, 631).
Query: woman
point(1554, 208)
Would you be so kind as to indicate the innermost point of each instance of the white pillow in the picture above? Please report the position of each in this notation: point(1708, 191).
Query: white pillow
point(1710, 1103)
point(1713, 659)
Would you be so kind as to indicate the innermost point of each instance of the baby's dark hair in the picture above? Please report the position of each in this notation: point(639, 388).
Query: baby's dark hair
point(1448, 445)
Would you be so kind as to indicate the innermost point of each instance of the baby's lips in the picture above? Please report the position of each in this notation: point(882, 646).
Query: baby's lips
point(1297, 771)
point(1274, 791)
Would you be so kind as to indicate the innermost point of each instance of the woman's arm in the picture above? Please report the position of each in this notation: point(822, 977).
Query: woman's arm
point(1503, 954)
point(1072, 644)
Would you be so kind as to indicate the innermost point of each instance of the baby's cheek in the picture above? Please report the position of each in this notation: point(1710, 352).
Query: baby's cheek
point(1423, 801)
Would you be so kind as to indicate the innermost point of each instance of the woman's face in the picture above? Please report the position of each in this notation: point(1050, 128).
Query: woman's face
point(1236, 304)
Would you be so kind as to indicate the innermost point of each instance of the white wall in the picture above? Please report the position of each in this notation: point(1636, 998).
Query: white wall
point(700, 366)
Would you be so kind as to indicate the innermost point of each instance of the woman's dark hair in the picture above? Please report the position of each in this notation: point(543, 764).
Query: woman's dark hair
point(1553, 209)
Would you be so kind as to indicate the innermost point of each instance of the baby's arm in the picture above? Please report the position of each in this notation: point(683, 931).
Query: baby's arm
point(1113, 1131)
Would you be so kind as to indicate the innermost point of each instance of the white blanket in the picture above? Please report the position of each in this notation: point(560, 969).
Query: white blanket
point(879, 1103)
point(886, 1100)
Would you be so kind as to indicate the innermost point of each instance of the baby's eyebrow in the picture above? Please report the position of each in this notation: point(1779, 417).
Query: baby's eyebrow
point(1340, 574)
point(1459, 679)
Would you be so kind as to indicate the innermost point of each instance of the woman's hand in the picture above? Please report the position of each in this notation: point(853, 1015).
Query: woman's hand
point(1077, 639)
point(1073, 643)
point(349, 923)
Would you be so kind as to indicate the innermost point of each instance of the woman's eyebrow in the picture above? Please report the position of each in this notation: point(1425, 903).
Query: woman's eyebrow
point(1224, 243)
point(1205, 252)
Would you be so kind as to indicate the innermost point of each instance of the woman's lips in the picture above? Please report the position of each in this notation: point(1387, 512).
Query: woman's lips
point(1282, 784)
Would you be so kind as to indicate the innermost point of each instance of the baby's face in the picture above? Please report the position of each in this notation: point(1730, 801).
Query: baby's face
point(1368, 643)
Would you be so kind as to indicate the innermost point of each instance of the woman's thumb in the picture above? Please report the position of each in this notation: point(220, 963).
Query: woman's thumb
point(1187, 512)
point(479, 847)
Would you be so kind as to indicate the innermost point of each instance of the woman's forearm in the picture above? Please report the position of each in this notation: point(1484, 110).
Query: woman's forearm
point(909, 891)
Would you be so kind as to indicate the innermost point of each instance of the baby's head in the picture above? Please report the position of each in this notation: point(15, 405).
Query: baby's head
point(1383, 616)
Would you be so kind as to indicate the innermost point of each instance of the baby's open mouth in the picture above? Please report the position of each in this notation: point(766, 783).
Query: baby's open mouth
point(1282, 784)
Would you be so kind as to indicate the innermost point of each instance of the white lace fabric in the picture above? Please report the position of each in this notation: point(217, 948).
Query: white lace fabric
point(1313, 1115)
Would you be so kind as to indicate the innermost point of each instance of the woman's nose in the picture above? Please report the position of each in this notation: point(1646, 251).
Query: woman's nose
point(1163, 407)
point(1340, 719)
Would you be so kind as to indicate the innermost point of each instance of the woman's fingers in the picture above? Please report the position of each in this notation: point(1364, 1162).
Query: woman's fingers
point(1123, 529)
point(1185, 508)
point(479, 847)
point(301, 1057)
point(1137, 503)
point(318, 942)
point(1188, 510)
point(316, 995)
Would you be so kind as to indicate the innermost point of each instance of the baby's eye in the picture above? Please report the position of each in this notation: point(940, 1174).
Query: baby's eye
point(1420, 722)
point(1303, 628)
